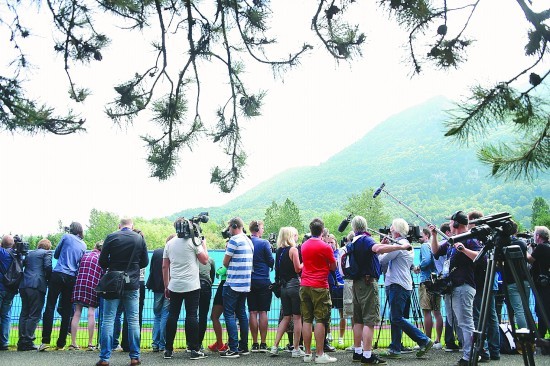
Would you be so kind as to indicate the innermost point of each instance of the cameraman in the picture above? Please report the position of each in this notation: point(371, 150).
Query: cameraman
point(459, 269)
point(6, 295)
point(540, 259)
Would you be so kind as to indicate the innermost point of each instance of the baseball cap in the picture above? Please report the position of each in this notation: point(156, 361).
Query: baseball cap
point(460, 217)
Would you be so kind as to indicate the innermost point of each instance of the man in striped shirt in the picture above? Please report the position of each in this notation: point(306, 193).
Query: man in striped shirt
point(238, 260)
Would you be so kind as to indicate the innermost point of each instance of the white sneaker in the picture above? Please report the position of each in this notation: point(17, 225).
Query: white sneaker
point(298, 353)
point(324, 358)
point(119, 348)
point(43, 347)
point(329, 337)
point(437, 346)
point(350, 348)
point(340, 341)
point(274, 351)
point(308, 357)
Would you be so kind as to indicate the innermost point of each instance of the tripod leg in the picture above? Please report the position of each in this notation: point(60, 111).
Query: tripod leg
point(381, 322)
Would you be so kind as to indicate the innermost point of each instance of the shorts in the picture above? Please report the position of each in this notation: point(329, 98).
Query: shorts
point(337, 297)
point(259, 297)
point(366, 302)
point(290, 298)
point(348, 298)
point(428, 301)
point(218, 297)
point(315, 304)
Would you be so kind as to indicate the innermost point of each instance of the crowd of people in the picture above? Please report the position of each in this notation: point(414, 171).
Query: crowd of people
point(312, 278)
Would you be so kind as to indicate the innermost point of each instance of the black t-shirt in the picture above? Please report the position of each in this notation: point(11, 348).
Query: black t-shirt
point(542, 260)
point(461, 269)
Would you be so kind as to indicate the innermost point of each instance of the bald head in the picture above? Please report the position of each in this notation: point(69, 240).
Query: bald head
point(7, 241)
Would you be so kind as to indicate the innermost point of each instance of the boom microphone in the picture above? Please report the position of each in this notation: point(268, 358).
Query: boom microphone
point(344, 224)
point(379, 190)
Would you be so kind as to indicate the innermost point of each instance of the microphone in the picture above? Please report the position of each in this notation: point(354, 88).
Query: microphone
point(344, 224)
point(379, 190)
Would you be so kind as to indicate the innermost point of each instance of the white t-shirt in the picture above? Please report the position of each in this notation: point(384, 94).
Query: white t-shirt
point(184, 265)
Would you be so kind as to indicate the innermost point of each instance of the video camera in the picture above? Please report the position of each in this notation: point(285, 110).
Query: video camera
point(486, 228)
point(20, 247)
point(438, 285)
point(413, 235)
point(272, 239)
point(191, 228)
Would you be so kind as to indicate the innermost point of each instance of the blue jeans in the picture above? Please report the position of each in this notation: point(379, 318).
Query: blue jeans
point(491, 345)
point(461, 302)
point(130, 300)
point(516, 304)
point(160, 309)
point(234, 307)
point(398, 298)
point(6, 298)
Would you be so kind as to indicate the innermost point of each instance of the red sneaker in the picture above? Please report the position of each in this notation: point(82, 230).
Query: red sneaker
point(223, 348)
point(214, 347)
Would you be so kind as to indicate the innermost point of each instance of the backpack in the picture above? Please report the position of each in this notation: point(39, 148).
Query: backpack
point(348, 262)
point(507, 344)
point(13, 276)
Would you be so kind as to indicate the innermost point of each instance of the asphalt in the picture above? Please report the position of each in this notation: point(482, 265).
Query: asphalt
point(87, 358)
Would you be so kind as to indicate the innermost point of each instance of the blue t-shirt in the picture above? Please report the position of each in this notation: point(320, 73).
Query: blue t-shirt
point(262, 260)
point(68, 253)
point(241, 251)
point(427, 262)
point(365, 257)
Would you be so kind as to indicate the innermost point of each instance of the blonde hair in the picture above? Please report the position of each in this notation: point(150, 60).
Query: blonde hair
point(286, 237)
point(401, 226)
point(44, 244)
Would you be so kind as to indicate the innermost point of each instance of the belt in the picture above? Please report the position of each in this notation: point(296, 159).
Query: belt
point(368, 279)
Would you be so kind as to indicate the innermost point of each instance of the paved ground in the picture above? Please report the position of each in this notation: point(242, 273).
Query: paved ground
point(77, 358)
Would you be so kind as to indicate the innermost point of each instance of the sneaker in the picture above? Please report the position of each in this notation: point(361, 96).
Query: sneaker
point(118, 348)
point(297, 353)
point(329, 337)
point(197, 355)
point(340, 341)
point(274, 351)
point(155, 349)
point(168, 354)
point(223, 348)
point(463, 362)
point(373, 360)
point(484, 359)
point(229, 354)
point(214, 347)
point(357, 357)
point(244, 351)
point(328, 348)
point(255, 347)
point(424, 349)
point(308, 357)
point(43, 347)
point(289, 348)
point(350, 348)
point(388, 354)
point(437, 345)
point(324, 358)
point(263, 348)
point(406, 350)
point(451, 348)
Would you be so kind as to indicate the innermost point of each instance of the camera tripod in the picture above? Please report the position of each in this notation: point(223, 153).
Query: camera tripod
point(414, 308)
point(499, 250)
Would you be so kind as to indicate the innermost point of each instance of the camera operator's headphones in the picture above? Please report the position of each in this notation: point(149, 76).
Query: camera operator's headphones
point(456, 224)
point(234, 226)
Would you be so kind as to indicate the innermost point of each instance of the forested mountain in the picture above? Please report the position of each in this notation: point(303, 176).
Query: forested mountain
point(420, 167)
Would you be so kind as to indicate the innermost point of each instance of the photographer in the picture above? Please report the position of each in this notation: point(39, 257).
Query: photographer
point(6, 295)
point(459, 269)
point(180, 271)
point(540, 259)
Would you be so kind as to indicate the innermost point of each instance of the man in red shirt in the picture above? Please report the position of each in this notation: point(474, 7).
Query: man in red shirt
point(318, 260)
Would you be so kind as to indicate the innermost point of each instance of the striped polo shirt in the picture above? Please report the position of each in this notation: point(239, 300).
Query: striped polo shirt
point(239, 271)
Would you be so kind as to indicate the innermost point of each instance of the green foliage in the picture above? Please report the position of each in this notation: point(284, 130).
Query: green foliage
point(278, 216)
point(101, 224)
point(154, 231)
point(370, 208)
point(541, 213)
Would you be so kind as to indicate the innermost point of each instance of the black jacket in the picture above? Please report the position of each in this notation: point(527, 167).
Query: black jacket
point(155, 282)
point(117, 251)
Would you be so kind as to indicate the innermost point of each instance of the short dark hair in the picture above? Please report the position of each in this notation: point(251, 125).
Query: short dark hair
point(316, 226)
point(445, 227)
point(255, 225)
point(426, 232)
point(76, 229)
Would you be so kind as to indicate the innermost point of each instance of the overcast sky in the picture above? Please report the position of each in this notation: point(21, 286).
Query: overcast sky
point(319, 109)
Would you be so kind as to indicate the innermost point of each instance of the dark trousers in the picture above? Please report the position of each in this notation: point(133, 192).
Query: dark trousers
point(60, 284)
point(32, 303)
point(204, 307)
point(191, 299)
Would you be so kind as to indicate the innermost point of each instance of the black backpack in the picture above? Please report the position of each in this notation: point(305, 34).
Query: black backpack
point(13, 276)
point(349, 265)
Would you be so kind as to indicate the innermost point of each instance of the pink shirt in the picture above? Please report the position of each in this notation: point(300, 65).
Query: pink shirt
point(316, 256)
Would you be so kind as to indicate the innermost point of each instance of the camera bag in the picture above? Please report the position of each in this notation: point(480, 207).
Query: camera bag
point(111, 284)
point(13, 275)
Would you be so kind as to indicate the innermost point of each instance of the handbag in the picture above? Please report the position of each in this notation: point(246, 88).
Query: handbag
point(111, 284)
point(275, 287)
